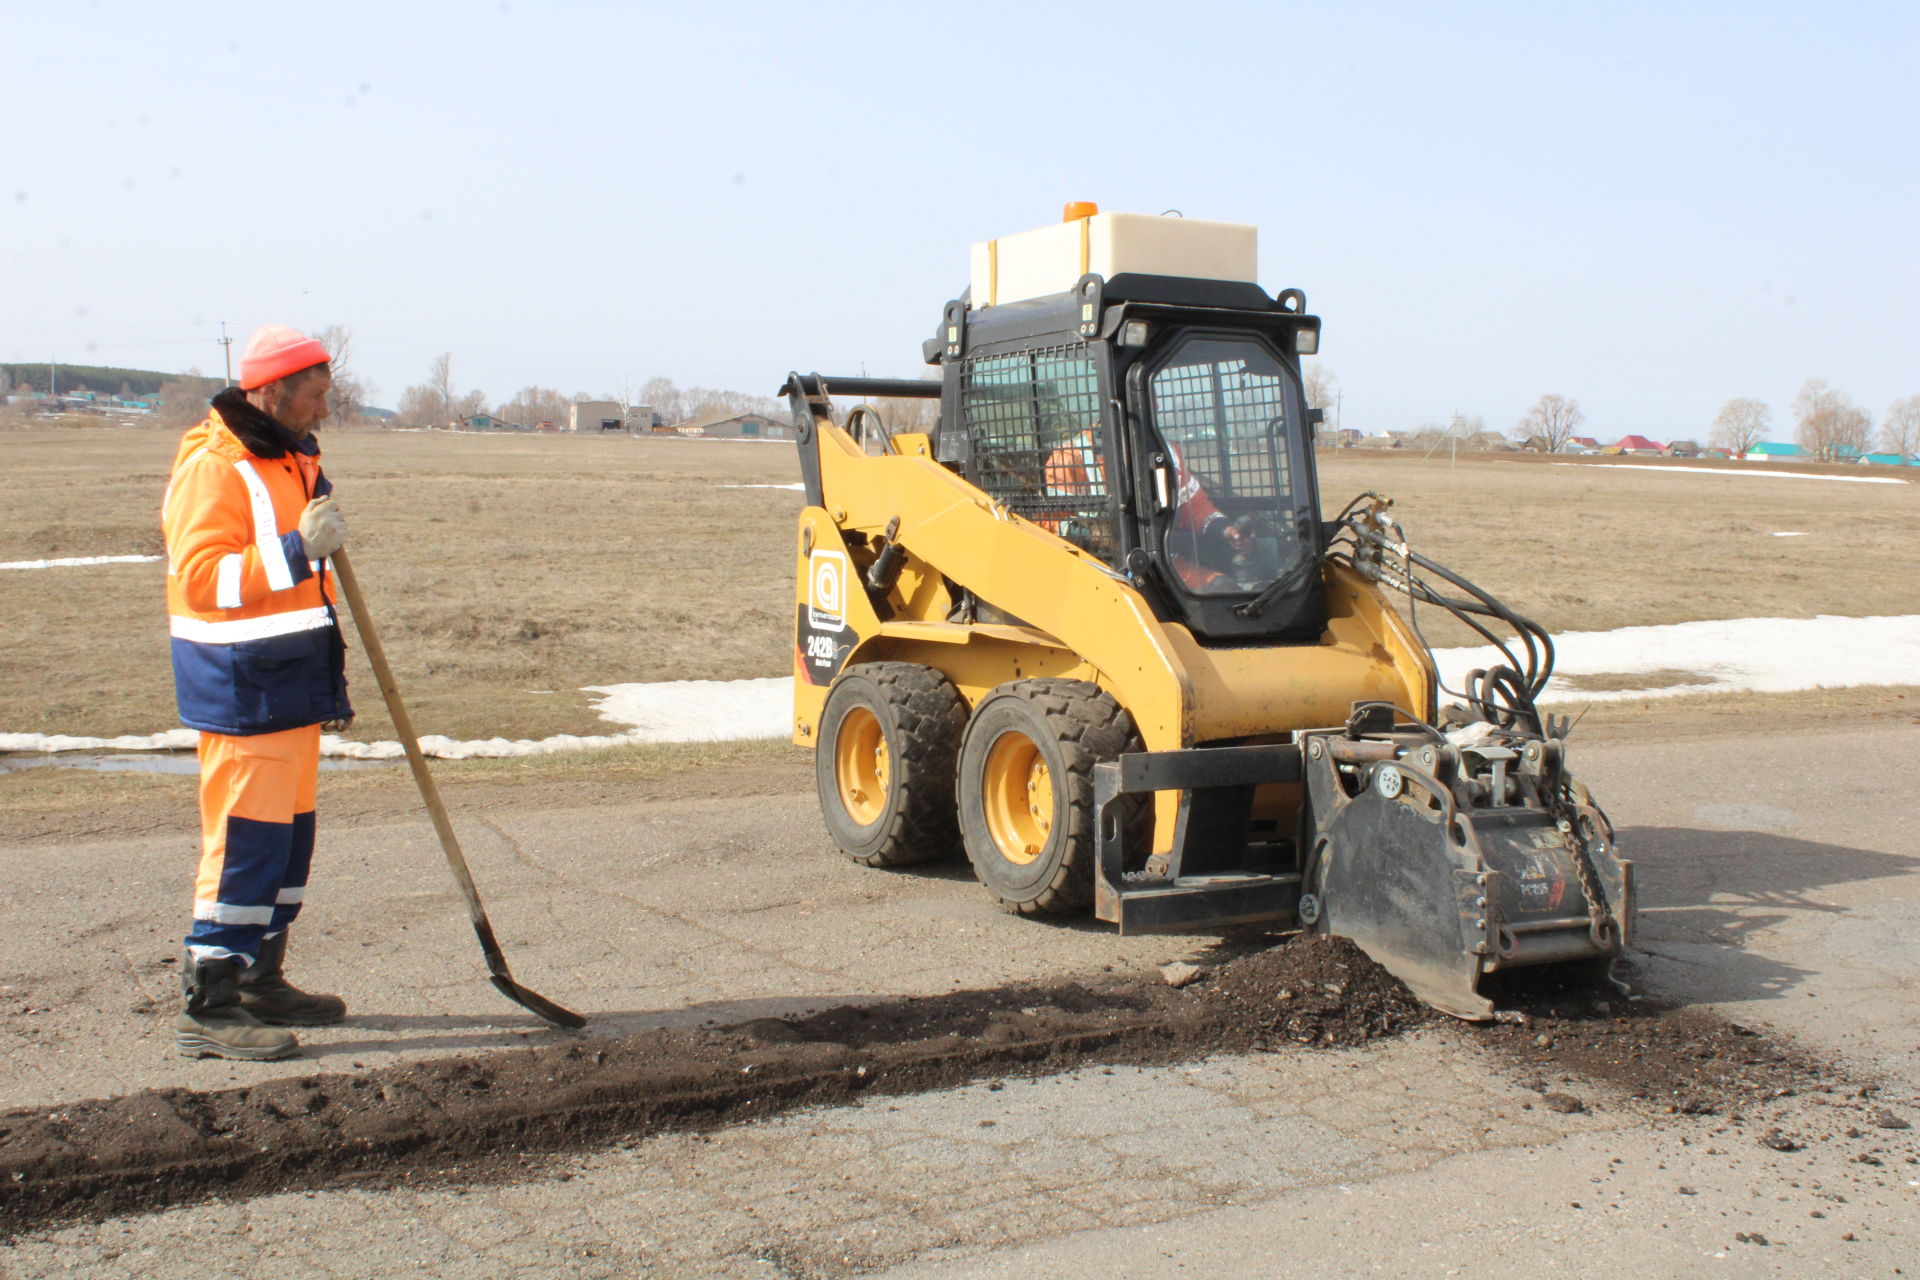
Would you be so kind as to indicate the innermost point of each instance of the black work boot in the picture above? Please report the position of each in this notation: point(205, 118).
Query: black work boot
point(213, 1025)
point(267, 995)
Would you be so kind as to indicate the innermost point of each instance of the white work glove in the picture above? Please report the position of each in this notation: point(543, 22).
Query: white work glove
point(323, 530)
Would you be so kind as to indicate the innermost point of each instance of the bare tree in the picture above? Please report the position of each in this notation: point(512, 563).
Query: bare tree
point(1320, 383)
point(705, 402)
point(665, 399)
point(440, 382)
point(531, 406)
point(622, 395)
point(184, 401)
point(1856, 434)
point(1740, 425)
point(419, 407)
point(1900, 433)
point(1827, 424)
point(1553, 419)
point(900, 413)
point(432, 403)
point(349, 395)
point(466, 406)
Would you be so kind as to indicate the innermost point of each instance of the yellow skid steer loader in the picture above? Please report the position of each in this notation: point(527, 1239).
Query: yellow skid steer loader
point(1093, 630)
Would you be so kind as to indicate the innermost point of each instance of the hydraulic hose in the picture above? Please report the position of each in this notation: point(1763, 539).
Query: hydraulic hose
point(1504, 694)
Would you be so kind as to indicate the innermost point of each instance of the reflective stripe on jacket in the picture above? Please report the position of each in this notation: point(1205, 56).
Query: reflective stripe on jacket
point(256, 643)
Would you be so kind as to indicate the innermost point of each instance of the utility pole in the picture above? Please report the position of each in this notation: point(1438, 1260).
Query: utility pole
point(1449, 439)
point(53, 380)
point(227, 343)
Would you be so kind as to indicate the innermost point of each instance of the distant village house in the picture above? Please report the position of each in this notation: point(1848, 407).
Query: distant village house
point(1638, 445)
point(487, 422)
point(596, 415)
point(735, 426)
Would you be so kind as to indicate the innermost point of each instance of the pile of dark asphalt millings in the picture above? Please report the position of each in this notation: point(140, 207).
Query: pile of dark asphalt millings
point(1314, 990)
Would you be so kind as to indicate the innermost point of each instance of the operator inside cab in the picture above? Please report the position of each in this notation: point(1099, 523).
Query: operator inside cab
point(1220, 407)
point(1215, 554)
point(1075, 477)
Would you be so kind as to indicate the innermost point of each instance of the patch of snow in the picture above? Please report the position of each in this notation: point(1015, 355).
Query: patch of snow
point(170, 740)
point(1727, 471)
point(699, 710)
point(1789, 535)
point(663, 711)
point(1740, 655)
point(73, 561)
point(797, 488)
point(444, 748)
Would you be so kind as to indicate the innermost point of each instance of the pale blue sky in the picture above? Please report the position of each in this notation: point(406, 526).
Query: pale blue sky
point(1650, 208)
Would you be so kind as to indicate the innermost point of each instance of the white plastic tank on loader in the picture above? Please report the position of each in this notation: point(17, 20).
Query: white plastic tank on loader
point(1051, 260)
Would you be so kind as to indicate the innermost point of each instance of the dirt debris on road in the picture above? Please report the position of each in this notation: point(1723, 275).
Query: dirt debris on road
point(1317, 991)
point(1674, 1060)
point(496, 1115)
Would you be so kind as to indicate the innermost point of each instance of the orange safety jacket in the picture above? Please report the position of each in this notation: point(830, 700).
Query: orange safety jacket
point(256, 640)
point(1194, 517)
point(1074, 469)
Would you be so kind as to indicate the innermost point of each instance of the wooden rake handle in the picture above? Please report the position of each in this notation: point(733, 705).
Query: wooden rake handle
point(442, 825)
point(403, 725)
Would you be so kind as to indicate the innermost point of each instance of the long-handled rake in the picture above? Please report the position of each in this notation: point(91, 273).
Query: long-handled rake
point(496, 963)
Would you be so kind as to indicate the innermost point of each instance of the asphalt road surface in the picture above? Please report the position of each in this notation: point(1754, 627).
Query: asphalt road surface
point(1777, 884)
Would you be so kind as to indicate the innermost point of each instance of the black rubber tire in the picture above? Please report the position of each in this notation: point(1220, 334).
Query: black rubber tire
point(1075, 726)
point(921, 717)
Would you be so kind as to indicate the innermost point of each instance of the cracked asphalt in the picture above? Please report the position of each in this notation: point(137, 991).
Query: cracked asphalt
point(1777, 880)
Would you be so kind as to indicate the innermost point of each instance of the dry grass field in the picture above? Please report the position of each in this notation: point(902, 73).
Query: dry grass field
point(508, 571)
point(504, 573)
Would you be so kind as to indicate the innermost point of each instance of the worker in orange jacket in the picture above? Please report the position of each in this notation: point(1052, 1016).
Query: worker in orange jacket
point(258, 665)
point(1075, 468)
point(1075, 471)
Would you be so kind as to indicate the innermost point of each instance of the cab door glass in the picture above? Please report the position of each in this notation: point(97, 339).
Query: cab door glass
point(1223, 408)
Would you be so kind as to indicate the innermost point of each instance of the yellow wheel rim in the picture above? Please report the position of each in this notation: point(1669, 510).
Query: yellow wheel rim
point(860, 766)
point(1018, 797)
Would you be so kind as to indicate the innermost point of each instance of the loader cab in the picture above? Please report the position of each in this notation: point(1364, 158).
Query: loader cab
point(1158, 424)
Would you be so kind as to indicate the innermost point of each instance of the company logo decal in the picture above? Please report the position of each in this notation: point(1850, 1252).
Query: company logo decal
point(827, 590)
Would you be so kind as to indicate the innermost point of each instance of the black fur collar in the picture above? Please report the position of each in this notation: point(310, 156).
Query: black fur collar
point(260, 432)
